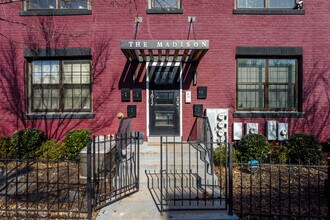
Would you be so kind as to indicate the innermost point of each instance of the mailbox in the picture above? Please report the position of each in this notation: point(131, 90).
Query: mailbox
point(125, 95)
point(198, 110)
point(131, 111)
point(201, 92)
point(137, 95)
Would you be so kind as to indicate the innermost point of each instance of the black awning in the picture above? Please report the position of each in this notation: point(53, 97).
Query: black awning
point(186, 51)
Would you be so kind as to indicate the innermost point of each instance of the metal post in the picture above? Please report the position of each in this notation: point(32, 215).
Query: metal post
point(137, 140)
point(161, 174)
point(230, 196)
point(89, 182)
point(327, 185)
point(205, 131)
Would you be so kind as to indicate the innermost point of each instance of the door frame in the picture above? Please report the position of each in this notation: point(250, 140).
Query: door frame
point(179, 64)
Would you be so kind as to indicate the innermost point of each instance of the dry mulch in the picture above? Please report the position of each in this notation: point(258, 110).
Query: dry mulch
point(37, 190)
point(279, 191)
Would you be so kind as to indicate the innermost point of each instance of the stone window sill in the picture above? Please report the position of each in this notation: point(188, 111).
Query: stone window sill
point(164, 11)
point(272, 11)
point(55, 12)
point(60, 116)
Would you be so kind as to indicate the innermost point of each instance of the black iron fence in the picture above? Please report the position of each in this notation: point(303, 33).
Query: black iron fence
point(281, 191)
point(31, 189)
point(61, 189)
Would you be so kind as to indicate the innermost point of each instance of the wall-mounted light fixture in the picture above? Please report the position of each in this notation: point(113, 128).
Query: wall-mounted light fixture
point(191, 19)
point(134, 78)
point(138, 20)
point(195, 77)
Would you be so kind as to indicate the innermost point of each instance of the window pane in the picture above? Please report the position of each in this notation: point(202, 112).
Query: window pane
point(42, 4)
point(76, 72)
point(164, 77)
point(280, 84)
point(250, 97)
point(46, 99)
point(250, 4)
point(164, 97)
point(165, 3)
point(251, 70)
point(281, 97)
point(45, 72)
point(77, 99)
point(281, 3)
point(282, 71)
point(61, 88)
point(164, 118)
point(74, 4)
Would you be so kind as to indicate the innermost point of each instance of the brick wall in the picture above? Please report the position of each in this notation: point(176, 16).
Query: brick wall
point(215, 21)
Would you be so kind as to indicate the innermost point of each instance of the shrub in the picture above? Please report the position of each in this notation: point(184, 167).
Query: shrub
point(279, 153)
point(254, 147)
point(75, 141)
point(6, 151)
point(219, 155)
point(326, 145)
point(304, 148)
point(26, 142)
point(52, 150)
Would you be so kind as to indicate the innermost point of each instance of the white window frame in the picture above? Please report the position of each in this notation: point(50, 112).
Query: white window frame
point(150, 5)
point(266, 5)
point(61, 85)
point(58, 6)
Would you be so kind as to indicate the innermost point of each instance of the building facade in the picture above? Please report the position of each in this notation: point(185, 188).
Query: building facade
point(250, 65)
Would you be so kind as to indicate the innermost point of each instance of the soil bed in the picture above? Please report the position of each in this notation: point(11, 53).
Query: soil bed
point(279, 191)
point(37, 190)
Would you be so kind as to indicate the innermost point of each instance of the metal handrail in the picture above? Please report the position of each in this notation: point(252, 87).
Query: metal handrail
point(201, 137)
point(124, 126)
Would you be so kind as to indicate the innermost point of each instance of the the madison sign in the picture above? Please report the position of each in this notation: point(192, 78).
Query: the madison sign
point(164, 44)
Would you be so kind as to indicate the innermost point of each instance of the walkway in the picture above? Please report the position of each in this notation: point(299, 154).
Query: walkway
point(141, 205)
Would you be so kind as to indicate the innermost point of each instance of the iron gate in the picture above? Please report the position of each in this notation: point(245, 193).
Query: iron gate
point(186, 178)
point(113, 167)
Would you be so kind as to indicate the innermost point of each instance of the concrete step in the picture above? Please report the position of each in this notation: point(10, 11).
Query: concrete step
point(174, 180)
point(155, 140)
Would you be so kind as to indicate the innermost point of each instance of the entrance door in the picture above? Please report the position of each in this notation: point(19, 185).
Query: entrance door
point(164, 100)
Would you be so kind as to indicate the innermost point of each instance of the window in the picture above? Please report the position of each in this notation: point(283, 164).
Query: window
point(266, 4)
point(267, 84)
point(57, 4)
point(164, 6)
point(165, 77)
point(60, 86)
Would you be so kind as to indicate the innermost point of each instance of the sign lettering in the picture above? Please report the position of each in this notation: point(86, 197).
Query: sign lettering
point(164, 44)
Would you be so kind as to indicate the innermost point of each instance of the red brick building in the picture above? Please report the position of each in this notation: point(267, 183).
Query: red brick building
point(78, 64)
